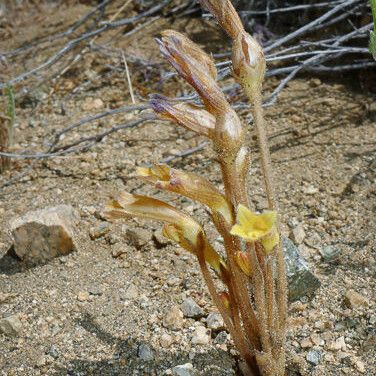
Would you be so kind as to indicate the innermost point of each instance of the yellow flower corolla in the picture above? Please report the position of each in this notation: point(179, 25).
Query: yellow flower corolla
point(257, 227)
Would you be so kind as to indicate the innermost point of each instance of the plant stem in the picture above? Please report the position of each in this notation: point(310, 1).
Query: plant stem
point(258, 114)
point(281, 281)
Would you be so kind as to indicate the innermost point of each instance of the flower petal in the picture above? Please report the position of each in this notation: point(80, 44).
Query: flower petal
point(189, 185)
point(239, 231)
point(128, 204)
point(270, 241)
point(252, 226)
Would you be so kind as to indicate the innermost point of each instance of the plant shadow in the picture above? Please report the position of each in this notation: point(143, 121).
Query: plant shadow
point(127, 358)
point(10, 263)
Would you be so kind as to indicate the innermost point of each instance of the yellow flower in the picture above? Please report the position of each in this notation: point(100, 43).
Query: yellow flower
point(257, 227)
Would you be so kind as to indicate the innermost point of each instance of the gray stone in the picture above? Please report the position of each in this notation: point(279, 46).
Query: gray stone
point(99, 231)
point(54, 352)
point(329, 253)
point(221, 338)
point(138, 237)
point(302, 282)
point(159, 239)
point(131, 292)
point(191, 309)
point(184, 370)
point(10, 326)
point(145, 352)
point(41, 235)
point(314, 356)
point(118, 249)
point(215, 321)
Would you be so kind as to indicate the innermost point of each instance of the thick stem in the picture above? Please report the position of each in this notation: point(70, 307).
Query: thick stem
point(232, 326)
point(259, 295)
point(234, 193)
point(266, 168)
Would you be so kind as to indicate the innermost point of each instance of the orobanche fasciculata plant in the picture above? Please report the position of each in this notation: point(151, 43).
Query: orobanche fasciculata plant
point(248, 283)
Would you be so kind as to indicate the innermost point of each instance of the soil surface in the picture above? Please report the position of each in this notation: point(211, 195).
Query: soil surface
point(112, 307)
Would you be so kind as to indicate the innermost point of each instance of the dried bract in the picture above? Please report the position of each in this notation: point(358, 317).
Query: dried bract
point(192, 117)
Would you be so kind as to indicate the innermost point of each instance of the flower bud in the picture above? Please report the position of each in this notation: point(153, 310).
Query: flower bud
point(226, 15)
point(248, 63)
point(196, 67)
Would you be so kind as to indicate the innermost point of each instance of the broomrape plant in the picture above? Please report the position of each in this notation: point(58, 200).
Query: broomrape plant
point(248, 283)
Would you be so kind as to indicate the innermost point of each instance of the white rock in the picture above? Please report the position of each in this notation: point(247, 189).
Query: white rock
point(183, 370)
point(41, 235)
point(166, 340)
point(360, 366)
point(337, 345)
point(200, 336)
point(298, 234)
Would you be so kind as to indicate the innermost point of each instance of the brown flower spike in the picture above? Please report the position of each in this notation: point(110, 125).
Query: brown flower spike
point(247, 282)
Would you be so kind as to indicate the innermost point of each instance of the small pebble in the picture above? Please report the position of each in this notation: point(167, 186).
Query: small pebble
point(98, 231)
point(54, 352)
point(137, 237)
point(200, 336)
point(353, 299)
point(298, 234)
point(145, 352)
point(329, 253)
point(83, 296)
point(166, 340)
point(191, 309)
point(306, 343)
point(10, 326)
point(183, 370)
point(131, 292)
point(314, 356)
point(215, 321)
point(118, 249)
point(160, 239)
point(173, 319)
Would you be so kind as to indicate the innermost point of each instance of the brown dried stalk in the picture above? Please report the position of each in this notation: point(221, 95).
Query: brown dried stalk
point(249, 288)
point(4, 142)
point(6, 128)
